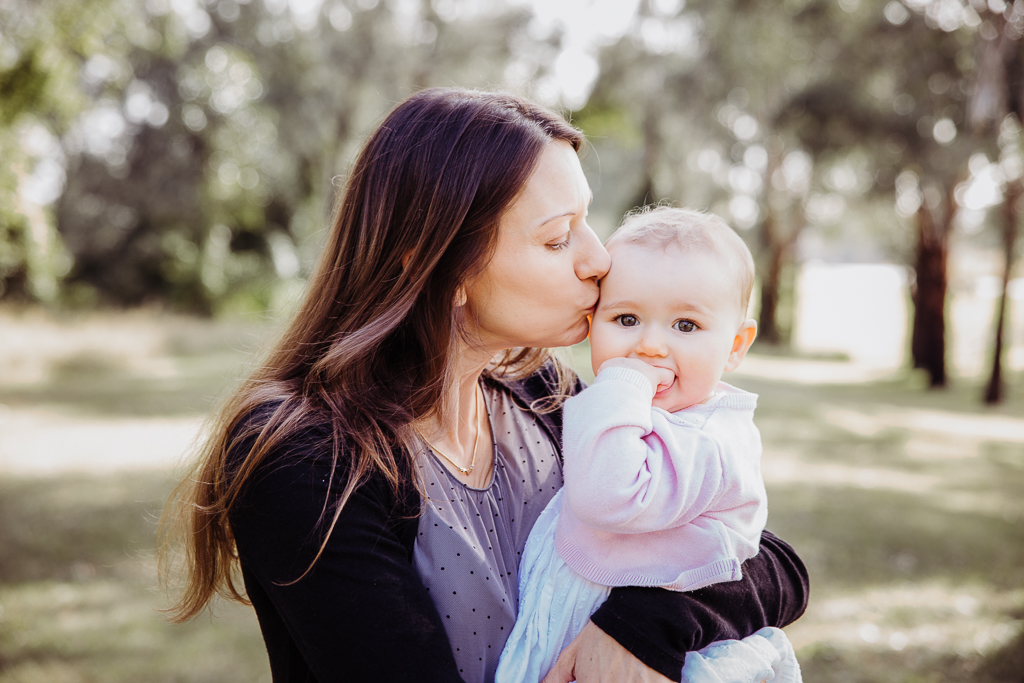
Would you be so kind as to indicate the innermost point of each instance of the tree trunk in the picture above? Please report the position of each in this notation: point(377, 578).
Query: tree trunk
point(14, 280)
point(994, 391)
point(779, 245)
point(767, 327)
point(928, 338)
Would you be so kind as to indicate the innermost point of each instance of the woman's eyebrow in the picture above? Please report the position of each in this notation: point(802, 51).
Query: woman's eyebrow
point(554, 218)
point(567, 213)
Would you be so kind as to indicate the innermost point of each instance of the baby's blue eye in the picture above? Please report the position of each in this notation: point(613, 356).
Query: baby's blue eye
point(627, 320)
point(685, 325)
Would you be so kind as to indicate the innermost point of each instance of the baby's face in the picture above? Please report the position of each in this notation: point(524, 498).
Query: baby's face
point(674, 309)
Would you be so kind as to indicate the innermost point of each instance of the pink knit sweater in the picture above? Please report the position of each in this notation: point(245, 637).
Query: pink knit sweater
point(655, 498)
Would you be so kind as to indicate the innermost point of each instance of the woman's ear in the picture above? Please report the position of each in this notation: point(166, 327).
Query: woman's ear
point(741, 344)
point(405, 259)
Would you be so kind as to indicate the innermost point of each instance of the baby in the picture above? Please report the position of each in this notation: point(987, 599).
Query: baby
point(661, 458)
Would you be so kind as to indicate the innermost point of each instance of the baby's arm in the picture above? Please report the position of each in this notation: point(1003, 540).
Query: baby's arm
point(624, 475)
point(658, 377)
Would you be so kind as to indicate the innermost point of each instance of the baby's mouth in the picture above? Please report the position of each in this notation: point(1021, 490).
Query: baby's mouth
point(667, 388)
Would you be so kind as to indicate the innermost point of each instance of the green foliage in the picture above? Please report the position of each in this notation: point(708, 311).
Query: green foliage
point(200, 143)
point(204, 145)
point(22, 87)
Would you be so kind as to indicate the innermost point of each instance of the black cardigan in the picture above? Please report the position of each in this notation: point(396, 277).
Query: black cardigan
point(363, 613)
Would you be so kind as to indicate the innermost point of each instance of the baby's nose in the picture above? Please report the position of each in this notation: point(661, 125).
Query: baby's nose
point(652, 343)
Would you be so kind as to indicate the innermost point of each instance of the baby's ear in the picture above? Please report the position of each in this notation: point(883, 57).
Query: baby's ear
point(741, 344)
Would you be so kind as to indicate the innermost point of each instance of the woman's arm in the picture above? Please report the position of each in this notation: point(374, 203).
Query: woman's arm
point(659, 627)
point(362, 613)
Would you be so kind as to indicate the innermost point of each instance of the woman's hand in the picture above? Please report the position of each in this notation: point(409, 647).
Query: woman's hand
point(595, 657)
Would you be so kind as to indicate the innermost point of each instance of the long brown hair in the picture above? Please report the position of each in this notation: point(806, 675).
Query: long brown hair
point(370, 349)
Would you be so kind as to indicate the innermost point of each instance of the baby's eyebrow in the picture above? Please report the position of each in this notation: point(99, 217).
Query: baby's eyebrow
point(696, 307)
point(618, 303)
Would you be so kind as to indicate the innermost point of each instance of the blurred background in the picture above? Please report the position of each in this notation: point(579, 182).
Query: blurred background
point(169, 167)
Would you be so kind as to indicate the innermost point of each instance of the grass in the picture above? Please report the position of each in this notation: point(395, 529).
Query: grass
point(907, 506)
point(78, 590)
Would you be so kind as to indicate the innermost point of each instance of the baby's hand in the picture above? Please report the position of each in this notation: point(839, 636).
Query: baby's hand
point(659, 378)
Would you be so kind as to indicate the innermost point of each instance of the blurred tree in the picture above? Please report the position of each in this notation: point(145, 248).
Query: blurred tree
point(904, 101)
point(200, 157)
point(1010, 220)
point(736, 91)
point(132, 208)
point(997, 108)
point(43, 47)
point(694, 89)
point(22, 89)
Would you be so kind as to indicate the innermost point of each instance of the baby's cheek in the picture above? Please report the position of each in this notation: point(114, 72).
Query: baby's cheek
point(600, 350)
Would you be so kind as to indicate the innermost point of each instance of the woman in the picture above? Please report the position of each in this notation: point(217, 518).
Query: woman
point(376, 479)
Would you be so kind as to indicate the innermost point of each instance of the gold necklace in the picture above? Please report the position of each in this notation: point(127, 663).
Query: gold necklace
point(476, 442)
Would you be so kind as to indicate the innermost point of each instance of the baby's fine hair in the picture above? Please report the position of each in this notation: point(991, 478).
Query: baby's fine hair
point(664, 226)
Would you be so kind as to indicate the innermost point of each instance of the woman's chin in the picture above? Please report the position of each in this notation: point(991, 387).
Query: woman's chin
point(554, 339)
point(577, 335)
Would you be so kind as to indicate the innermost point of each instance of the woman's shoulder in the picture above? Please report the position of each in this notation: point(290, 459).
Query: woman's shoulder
point(542, 392)
point(303, 456)
point(286, 435)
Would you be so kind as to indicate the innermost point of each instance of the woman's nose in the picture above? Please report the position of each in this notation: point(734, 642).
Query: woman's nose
point(593, 260)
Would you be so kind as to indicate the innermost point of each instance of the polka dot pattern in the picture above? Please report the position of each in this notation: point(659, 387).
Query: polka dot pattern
point(469, 540)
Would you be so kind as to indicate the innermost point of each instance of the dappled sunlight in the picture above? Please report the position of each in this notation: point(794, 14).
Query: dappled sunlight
point(783, 466)
point(95, 623)
point(967, 428)
point(979, 427)
point(934, 448)
point(812, 371)
point(44, 442)
point(983, 502)
point(948, 458)
point(37, 347)
point(78, 588)
point(935, 616)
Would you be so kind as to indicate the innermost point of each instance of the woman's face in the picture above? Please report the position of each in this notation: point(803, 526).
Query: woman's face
point(541, 284)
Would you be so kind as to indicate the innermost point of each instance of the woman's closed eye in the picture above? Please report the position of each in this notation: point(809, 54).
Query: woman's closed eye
point(562, 244)
point(685, 326)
